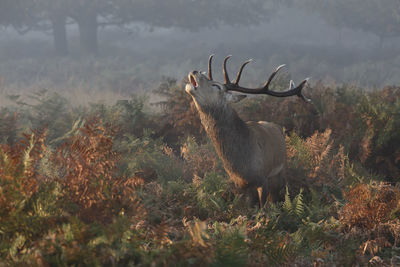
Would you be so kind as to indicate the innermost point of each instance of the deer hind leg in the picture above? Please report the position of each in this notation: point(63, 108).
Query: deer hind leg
point(260, 194)
point(256, 195)
point(274, 188)
point(250, 194)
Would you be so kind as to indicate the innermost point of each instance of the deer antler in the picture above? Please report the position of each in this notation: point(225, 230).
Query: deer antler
point(210, 77)
point(262, 90)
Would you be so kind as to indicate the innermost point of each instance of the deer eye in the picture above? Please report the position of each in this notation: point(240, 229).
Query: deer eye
point(216, 85)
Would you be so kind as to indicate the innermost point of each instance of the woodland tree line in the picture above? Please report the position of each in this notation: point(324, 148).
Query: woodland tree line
point(26, 15)
point(374, 16)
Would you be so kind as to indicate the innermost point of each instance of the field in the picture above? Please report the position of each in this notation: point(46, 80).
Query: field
point(101, 164)
point(119, 184)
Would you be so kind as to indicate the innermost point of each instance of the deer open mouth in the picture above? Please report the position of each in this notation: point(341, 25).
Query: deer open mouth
point(193, 81)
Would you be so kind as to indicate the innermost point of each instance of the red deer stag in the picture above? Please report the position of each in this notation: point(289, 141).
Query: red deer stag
point(253, 153)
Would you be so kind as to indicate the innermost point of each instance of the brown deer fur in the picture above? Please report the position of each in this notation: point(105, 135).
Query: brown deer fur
point(253, 153)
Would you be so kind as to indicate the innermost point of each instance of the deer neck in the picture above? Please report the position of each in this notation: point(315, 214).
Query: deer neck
point(222, 122)
point(229, 134)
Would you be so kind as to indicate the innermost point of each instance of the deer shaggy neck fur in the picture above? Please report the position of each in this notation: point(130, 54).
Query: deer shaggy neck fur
point(251, 152)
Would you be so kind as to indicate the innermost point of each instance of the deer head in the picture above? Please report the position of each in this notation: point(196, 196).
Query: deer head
point(204, 90)
point(208, 92)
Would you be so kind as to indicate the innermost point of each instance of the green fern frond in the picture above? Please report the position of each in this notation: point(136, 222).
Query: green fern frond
point(287, 204)
point(298, 204)
point(4, 160)
point(78, 124)
point(17, 244)
point(278, 254)
point(26, 163)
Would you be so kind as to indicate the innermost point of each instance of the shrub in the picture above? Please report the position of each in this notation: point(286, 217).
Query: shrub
point(314, 163)
point(179, 116)
point(370, 217)
point(369, 205)
point(199, 159)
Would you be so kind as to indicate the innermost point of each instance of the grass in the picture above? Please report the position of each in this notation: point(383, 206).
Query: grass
point(111, 184)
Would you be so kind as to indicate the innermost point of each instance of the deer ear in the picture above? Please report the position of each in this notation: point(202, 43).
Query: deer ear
point(234, 98)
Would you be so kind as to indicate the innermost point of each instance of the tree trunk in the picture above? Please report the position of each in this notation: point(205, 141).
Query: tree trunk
point(60, 34)
point(88, 28)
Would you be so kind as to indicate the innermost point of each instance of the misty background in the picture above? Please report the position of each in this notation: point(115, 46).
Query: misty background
point(104, 50)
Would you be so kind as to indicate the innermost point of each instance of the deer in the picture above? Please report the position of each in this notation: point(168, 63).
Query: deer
point(253, 153)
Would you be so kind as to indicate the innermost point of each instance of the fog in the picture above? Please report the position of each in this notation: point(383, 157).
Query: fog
point(138, 55)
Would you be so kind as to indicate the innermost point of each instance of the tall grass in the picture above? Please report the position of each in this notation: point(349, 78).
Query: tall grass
point(110, 184)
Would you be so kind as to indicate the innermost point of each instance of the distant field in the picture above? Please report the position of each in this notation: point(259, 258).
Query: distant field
point(137, 60)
